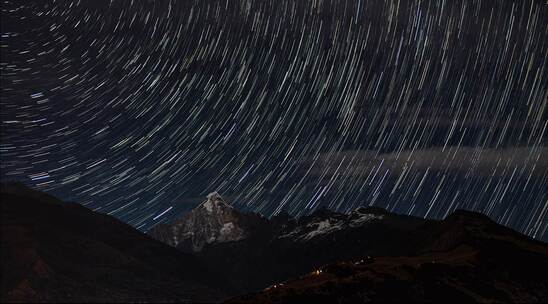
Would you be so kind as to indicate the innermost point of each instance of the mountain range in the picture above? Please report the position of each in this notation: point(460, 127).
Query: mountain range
point(57, 251)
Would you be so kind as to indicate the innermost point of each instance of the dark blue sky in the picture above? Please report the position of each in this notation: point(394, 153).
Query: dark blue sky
point(140, 108)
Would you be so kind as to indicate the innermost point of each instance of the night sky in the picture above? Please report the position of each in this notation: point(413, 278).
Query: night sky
point(139, 109)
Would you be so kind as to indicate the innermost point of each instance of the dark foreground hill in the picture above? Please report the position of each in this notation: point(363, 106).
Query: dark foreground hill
point(62, 252)
point(485, 273)
point(465, 258)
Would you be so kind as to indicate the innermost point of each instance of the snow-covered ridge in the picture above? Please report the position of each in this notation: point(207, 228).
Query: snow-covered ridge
point(326, 226)
point(215, 221)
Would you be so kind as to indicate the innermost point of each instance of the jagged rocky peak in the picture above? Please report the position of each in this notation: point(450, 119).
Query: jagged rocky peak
point(214, 196)
point(214, 201)
point(213, 221)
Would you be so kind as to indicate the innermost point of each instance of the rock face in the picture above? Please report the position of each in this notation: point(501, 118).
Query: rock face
point(213, 221)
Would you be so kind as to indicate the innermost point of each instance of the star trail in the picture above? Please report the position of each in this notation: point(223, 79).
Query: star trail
point(138, 108)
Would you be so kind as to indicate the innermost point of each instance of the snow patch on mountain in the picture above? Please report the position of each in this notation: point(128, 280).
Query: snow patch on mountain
point(214, 201)
point(365, 218)
point(327, 226)
point(227, 228)
point(209, 206)
point(174, 231)
point(323, 227)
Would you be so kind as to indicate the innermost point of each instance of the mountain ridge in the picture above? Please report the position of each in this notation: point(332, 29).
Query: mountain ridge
point(54, 251)
point(367, 255)
point(283, 247)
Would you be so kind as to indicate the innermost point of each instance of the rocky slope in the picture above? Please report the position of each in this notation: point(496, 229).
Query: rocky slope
point(213, 221)
point(54, 251)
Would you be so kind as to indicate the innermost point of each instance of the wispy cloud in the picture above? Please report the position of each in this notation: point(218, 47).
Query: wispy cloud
point(474, 161)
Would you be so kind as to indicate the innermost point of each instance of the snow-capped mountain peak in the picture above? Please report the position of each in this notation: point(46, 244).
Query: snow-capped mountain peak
point(213, 221)
point(325, 222)
point(214, 197)
point(214, 201)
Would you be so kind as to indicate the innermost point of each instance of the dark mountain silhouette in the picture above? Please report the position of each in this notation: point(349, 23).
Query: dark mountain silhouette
point(463, 274)
point(466, 257)
point(54, 251)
